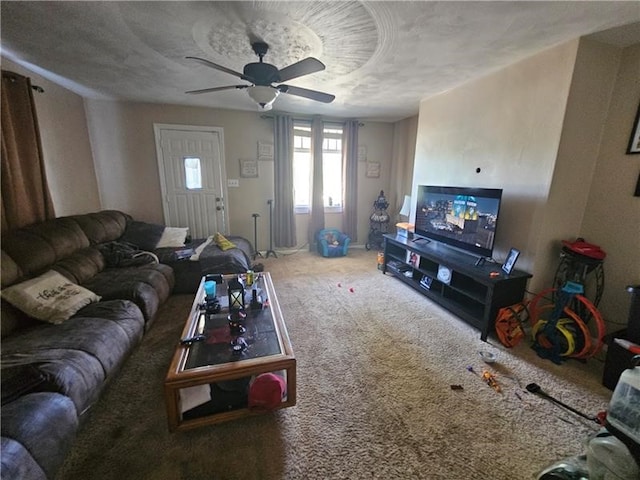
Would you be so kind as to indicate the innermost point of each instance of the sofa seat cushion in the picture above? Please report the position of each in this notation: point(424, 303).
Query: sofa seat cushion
point(124, 314)
point(207, 258)
point(16, 463)
point(77, 356)
point(37, 433)
point(147, 286)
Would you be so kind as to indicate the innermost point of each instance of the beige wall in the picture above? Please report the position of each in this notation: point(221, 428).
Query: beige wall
point(594, 73)
point(65, 143)
point(547, 131)
point(551, 131)
point(612, 214)
point(126, 164)
point(106, 159)
point(508, 125)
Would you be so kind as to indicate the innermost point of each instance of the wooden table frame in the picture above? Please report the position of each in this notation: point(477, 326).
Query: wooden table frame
point(178, 378)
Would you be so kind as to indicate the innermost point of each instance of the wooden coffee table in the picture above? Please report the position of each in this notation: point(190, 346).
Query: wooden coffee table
point(211, 366)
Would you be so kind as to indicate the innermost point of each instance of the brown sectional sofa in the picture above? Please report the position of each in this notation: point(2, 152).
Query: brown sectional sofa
point(53, 374)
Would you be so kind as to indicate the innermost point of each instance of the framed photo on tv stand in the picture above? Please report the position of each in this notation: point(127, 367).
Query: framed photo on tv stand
point(510, 262)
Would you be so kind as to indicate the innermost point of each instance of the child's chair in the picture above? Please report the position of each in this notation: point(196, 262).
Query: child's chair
point(332, 243)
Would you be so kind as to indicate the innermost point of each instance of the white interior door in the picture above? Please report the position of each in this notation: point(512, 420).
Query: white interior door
point(192, 178)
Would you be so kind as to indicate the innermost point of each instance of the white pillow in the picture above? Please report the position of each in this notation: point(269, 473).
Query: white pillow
point(173, 237)
point(50, 297)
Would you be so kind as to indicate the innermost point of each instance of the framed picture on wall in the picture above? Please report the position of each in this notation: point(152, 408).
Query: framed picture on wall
point(634, 140)
point(362, 153)
point(373, 170)
point(249, 168)
point(265, 151)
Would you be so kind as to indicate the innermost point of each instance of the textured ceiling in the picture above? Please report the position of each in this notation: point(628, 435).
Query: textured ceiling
point(382, 58)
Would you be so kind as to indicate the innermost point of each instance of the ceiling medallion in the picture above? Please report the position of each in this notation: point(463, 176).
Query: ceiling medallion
point(349, 33)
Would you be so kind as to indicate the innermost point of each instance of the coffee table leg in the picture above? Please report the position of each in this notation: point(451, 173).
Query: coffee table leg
point(171, 399)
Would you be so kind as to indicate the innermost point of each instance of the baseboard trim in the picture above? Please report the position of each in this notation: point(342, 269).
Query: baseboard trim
point(289, 251)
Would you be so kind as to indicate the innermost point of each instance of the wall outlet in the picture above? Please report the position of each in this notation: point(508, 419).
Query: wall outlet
point(233, 182)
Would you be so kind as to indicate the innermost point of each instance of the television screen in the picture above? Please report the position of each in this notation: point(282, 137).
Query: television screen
point(462, 217)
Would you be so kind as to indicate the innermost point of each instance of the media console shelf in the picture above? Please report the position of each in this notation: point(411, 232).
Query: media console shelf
point(452, 279)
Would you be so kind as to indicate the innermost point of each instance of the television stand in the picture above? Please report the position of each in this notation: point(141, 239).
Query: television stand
point(452, 279)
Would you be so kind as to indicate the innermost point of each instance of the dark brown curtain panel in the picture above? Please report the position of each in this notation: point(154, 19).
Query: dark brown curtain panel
point(25, 195)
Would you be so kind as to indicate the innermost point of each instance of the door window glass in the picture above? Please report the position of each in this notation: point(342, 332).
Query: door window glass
point(192, 173)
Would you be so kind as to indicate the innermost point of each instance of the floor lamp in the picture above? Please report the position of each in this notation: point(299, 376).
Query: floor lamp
point(271, 251)
point(256, 252)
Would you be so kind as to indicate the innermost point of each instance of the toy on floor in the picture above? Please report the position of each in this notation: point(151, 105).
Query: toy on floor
point(490, 380)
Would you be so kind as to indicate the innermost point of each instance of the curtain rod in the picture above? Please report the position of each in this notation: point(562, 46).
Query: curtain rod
point(309, 119)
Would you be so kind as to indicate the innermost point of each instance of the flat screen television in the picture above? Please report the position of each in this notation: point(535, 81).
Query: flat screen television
point(465, 218)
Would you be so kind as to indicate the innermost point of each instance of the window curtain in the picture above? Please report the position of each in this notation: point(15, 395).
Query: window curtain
point(316, 219)
point(284, 223)
point(350, 179)
point(403, 155)
point(25, 195)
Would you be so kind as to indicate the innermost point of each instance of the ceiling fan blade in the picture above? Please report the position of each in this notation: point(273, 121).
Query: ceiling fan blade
point(218, 89)
point(219, 67)
point(304, 92)
point(298, 69)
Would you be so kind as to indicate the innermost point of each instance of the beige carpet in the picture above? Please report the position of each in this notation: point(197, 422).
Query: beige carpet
point(375, 366)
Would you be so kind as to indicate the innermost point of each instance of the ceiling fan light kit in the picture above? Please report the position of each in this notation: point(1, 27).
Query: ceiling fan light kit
point(263, 96)
point(262, 77)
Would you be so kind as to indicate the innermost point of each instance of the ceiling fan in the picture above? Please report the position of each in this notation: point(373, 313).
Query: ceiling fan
point(266, 79)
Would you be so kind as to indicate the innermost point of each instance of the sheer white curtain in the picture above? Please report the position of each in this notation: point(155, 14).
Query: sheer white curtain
point(403, 155)
point(350, 179)
point(284, 224)
point(316, 219)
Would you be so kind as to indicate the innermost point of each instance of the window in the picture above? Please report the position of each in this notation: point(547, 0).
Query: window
point(192, 173)
point(331, 167)
point(301, 168)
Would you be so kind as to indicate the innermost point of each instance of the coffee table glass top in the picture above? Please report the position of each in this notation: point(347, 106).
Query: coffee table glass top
point(260, 338)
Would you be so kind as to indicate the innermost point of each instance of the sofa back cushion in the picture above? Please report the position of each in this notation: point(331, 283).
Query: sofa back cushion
point(104, 226)
point(60, 244)
point(82, 265)
point(143, 235)
point(65, 244)
point(37, 247)
point(10, 272)
point(13, 320)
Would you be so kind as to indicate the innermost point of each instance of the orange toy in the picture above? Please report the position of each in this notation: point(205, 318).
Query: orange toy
point(491, 380)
